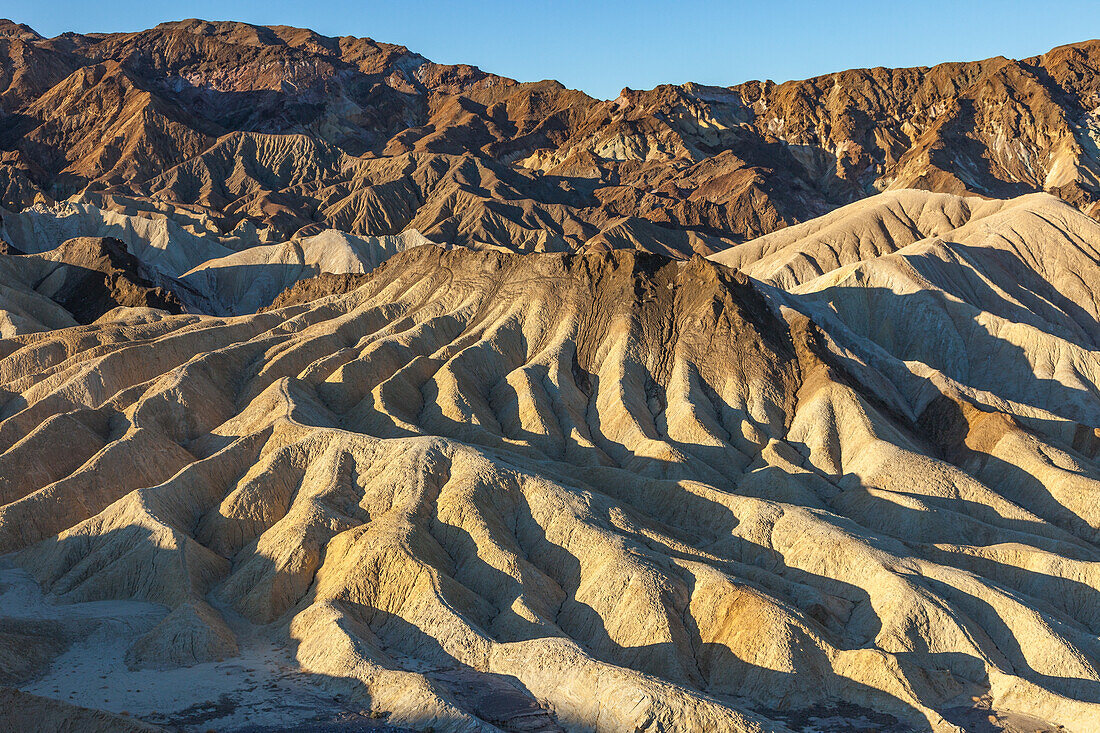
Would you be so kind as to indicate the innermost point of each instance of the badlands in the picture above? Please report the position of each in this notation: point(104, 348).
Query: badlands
point(340, 390)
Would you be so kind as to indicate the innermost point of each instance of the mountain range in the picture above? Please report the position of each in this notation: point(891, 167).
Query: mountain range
point(234, 127)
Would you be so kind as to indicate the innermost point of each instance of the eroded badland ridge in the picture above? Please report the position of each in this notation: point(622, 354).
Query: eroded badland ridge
point(341, 390)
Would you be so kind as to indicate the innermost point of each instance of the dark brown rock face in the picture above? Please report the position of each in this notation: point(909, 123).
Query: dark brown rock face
point(288, 129)
point(89, 276)
point(320, 286)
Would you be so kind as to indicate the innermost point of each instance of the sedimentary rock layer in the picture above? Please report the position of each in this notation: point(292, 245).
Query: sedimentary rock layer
point(241, 127)
point(613, 490)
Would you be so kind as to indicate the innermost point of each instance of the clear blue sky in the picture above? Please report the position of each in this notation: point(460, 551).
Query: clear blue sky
point(601, 47)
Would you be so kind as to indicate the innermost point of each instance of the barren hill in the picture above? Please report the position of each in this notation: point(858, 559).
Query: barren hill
point(609, 486)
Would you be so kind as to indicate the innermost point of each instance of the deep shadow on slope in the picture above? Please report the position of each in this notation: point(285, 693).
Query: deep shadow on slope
point(89, 276)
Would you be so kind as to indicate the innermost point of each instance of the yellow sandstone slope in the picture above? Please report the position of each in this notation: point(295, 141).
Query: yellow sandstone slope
point(642, 494)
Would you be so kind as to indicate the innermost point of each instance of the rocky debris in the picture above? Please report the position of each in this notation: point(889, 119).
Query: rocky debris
point(319, 286)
